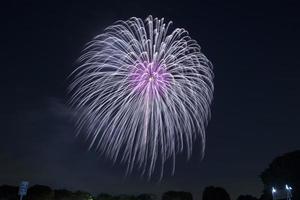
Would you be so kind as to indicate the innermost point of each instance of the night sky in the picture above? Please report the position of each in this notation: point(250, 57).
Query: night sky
point(254, 48)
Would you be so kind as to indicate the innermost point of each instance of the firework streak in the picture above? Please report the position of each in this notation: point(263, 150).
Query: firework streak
point(142, 93)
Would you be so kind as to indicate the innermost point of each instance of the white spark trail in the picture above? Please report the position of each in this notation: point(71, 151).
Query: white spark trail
point(143, 93)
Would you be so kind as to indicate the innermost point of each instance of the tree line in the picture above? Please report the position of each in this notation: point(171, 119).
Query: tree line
point(282, 170)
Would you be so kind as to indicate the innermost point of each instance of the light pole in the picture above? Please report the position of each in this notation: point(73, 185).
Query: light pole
point(23, 189)
point(274, 193)
point(288, 192)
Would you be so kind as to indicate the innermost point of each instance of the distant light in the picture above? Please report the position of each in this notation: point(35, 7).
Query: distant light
point(288, 187)
point(273, 190)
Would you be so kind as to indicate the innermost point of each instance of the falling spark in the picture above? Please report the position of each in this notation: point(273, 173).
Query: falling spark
point(143, 93)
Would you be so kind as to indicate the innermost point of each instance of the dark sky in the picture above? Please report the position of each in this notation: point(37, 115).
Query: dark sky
point(255, 113)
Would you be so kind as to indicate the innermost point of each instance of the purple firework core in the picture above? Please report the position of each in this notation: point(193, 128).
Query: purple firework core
point(151, 78)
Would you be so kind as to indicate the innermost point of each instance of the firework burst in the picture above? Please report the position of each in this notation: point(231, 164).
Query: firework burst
point(143, 93)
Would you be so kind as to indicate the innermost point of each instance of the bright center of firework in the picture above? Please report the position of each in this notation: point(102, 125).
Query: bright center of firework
point(150, 76)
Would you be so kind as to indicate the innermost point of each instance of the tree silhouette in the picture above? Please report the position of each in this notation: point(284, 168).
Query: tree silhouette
point(81, 195)
point(146, 197)
point(63, 195)
point(283, 170)
point(8, 192)
point(38, 192)
point(173, 195)
point(215, 193)
point(104, 196)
